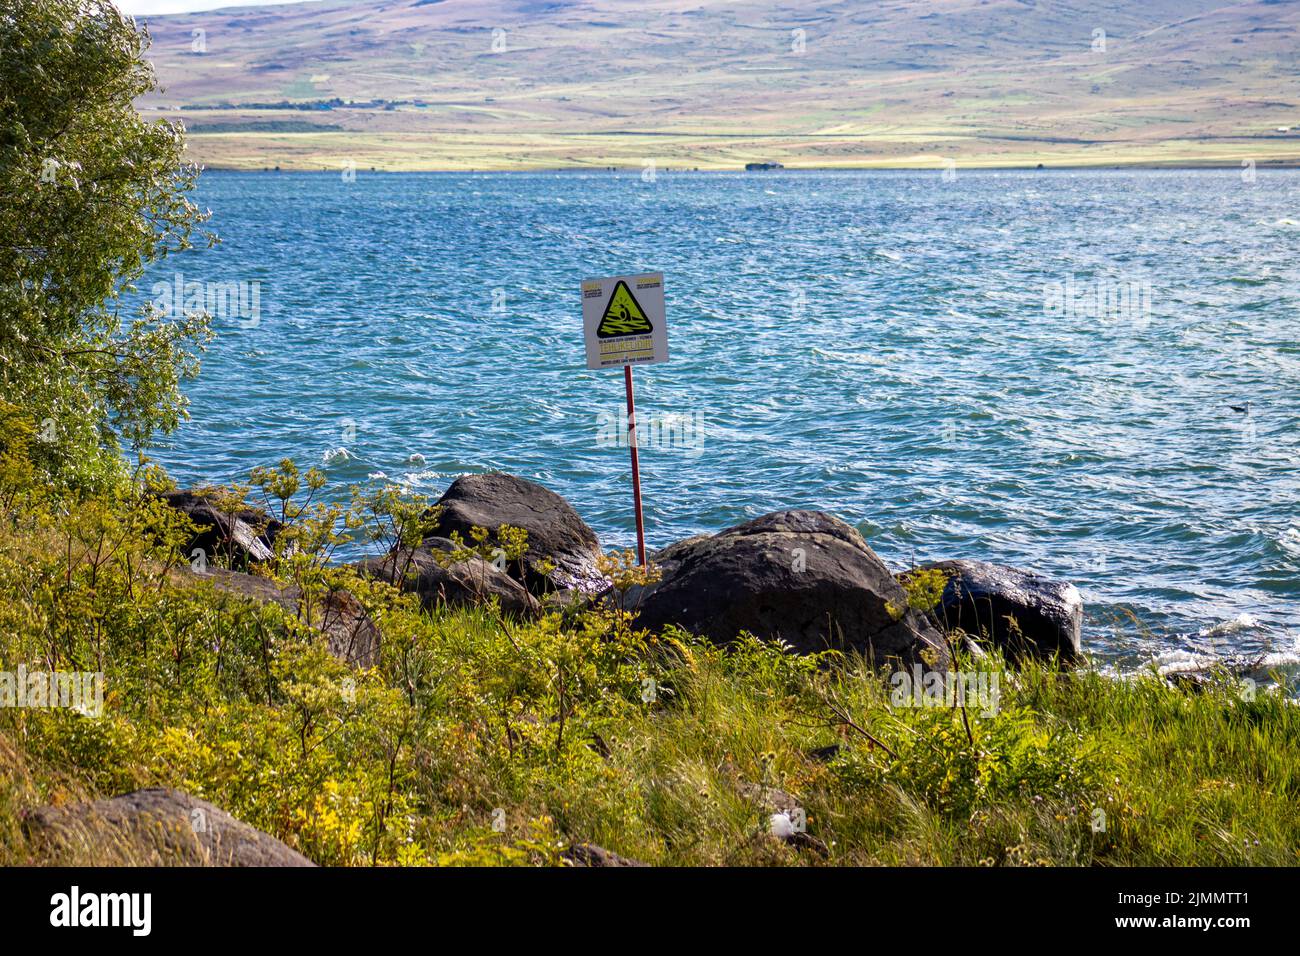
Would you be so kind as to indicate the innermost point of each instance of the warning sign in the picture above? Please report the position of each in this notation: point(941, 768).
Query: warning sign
point(623, 315)
point(623, 318)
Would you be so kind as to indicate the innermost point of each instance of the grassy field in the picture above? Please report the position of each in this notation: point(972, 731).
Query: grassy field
point(507, 84)
point(482, 739)
point(410, 152)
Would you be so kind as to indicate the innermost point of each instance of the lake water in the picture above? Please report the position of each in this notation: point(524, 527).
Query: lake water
point(1034, 368)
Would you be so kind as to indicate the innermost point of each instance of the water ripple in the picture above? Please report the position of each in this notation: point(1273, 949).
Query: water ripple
point(875, 344)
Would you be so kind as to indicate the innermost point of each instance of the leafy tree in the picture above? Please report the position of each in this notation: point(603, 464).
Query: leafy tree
point(90, 195)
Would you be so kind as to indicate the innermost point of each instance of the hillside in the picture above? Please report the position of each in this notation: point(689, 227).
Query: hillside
point(453, 84)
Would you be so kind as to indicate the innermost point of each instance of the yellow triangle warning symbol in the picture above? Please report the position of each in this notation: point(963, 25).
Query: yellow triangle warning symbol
point(623, 315)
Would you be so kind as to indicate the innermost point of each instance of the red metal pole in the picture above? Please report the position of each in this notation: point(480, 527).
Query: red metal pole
point(636, 469)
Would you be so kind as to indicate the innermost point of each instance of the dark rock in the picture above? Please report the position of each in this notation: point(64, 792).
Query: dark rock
point(555, 531)
point(470, 582)
point(825, 754)
point(806, 841)
point(588, 854)
point(153, 827)
point(667, 561)
point(803, 577)
point(1021, 613)
point(241, 535)
point(1191, 681)
point(351, 634)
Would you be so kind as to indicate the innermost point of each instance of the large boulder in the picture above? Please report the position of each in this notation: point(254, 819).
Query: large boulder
point(803, 577)
point(1021, 613)
point(469, 582)
point(555, 532)
point(153, 827)
point(349, 632)
point(591, 855)
point(229, 532)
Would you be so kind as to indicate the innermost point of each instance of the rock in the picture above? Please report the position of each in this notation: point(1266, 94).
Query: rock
point(470, 582)
point(153, 827)
point(351, 634)
point(803, 577)
point(241, 535)
point(588, 854)
point(984, 600)
point(1191, 681)
point(555, 531)
point(825, 754)
point(667, 561)
point(783, 830)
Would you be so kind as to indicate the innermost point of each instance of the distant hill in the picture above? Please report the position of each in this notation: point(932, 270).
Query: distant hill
point(455, 84)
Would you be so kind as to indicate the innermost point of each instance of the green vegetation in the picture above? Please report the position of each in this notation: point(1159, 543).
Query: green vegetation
point(90, 194)
point(573, 727)
point(479, 738)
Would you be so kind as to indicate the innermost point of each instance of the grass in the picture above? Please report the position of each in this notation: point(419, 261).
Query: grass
point(487, 740)
point(487, 151)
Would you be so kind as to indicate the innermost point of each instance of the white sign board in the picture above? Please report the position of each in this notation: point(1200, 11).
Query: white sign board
point(623, 320)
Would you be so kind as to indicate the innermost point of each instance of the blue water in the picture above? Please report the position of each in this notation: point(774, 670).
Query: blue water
point(873, 344)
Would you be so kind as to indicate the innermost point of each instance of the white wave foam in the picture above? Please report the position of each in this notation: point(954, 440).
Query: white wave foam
point(1280, 659)
point(1184, 661)
point(1242, 622)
